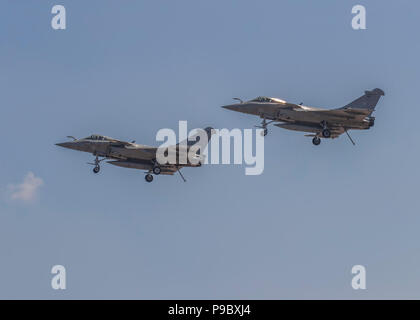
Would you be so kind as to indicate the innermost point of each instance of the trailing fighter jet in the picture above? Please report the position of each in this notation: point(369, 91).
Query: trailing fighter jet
point(320, 123)
point(136, 156)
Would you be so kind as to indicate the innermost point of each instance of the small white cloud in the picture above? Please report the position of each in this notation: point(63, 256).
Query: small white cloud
point(28, 190)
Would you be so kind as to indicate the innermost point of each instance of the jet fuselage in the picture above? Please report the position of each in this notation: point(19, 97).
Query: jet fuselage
point(307, 117)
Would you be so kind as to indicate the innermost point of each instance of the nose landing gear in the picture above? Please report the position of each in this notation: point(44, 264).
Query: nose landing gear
point(96, 162)
point(264, 125)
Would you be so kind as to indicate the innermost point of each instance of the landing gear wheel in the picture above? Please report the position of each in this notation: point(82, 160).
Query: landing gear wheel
point(326, 133)
point(264, 132)
point(149, 177)
point(96, 169)
point(263, 126)
point(157, 170)
point(316, 141)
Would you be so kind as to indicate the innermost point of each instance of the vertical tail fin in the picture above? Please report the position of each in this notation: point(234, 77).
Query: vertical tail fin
point(196, 143)
point(368, 101)
point(196, 137)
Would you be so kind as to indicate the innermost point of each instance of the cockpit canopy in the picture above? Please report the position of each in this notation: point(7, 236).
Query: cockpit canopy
point(96, 137)
point(267, 99)
point(262, 99)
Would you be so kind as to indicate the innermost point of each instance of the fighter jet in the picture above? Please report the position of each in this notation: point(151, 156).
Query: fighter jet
point(320, 123)
point(137, 156)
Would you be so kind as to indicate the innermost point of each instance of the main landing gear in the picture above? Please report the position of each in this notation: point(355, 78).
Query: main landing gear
point(148, 177)
point(316, 140)
point(326, 133)
point(155, 170)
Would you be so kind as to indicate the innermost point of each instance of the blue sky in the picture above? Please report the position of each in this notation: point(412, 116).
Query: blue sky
point(127, 70)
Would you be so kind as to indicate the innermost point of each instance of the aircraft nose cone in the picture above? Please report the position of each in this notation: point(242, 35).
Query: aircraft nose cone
point(64, 144)
point(233, 107)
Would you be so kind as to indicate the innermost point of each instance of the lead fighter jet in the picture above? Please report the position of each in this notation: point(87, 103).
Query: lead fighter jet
point(137, 156)
point(320, 123)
